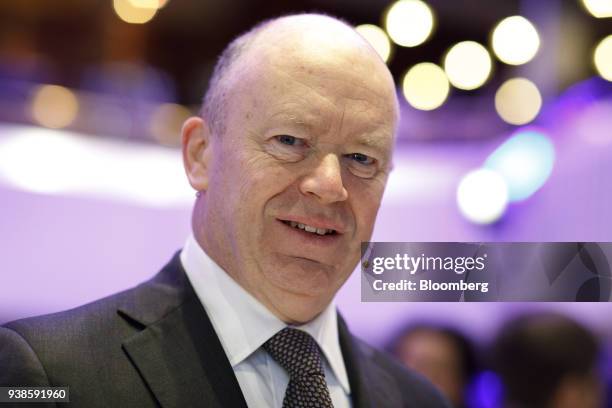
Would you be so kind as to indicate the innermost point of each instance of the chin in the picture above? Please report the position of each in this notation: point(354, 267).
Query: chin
point(304, 278)
point(298, 310)
point(296, 304)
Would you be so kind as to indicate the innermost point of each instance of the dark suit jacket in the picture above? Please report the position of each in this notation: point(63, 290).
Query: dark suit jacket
point(154, 345)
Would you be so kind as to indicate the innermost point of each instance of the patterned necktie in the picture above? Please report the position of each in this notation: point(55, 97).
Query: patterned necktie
point(297, 352)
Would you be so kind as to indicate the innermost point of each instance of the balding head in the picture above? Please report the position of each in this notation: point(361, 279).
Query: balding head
point(281, 40)
point(307, 112)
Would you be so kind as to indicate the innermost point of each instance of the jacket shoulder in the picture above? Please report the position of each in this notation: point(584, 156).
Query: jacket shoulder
point(117, 314)
point(92, 318)
point(76, 345)
point(20, 364)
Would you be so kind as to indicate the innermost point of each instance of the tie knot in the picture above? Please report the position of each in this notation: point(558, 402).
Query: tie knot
point(296, 351)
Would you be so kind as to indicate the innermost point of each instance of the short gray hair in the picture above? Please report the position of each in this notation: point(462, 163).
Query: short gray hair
point(214, 103)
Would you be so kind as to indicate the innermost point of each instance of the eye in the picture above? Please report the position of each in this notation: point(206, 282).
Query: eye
point(362, 165)
point(288, 148)
point(362, 159)
point(290, 140)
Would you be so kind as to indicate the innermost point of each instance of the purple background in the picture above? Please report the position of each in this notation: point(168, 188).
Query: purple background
point(60, 251)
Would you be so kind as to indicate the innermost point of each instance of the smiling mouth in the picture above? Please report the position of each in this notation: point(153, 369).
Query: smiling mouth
point(310, 229)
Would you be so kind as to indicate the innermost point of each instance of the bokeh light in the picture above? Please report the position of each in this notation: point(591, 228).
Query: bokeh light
point(525, 161)
point(515, 40)
point(54, 106)
point(409, 22)
point(377, 38)
point(603, 58)
point(467, 65)
point(599, 8)
point(154, 4)
point(425, 86)
point(42, 164)
point(518, 101)
point(136, 11)
point(166, 122)
point(482, 196)
point(53, 161)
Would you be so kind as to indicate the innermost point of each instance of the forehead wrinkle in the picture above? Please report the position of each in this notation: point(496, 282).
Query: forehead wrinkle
point(299, 114)
point(339, 72)
point(344, 59)
point(273, 64)
point(310, 86)
point(340, 126)
point(289, 118)
point(374, 143)
point(311, 64)
point(319, 120)
point(305, 39)
point(335, 100)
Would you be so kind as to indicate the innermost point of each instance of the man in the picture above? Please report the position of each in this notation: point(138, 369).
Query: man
point(444, 355)
point(290, 159)
point(547, 360)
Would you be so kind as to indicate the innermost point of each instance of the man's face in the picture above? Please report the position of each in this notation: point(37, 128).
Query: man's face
point(308, 140)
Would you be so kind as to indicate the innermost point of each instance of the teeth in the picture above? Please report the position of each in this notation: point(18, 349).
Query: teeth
point(308, 228)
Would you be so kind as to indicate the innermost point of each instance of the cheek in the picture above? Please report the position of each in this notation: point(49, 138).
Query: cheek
point(258, 180)
point(365, 199)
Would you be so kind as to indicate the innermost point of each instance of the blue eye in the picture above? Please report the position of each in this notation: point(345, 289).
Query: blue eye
point(362, 159)
point(288, 140)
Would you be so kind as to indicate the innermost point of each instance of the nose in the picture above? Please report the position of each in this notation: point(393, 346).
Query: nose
point(325, 181)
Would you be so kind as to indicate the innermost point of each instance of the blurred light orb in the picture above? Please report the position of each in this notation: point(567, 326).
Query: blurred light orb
point(54, 106)
point(425, 86)
point(157, 4)
point(467, 65)
point(594, 123)
point(42, 164)
point(377, 38)
point(515, 40)
point(136, 11)
point(409, 22)
point(482, 196)
point(599, 8)
point(145, 3)
point(603, 57)
point(166, 122)
point(518, 101)
point(525, 161)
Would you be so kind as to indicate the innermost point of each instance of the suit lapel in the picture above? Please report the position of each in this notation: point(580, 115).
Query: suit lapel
point(371, 386)
point(179, 356)
point(178, 353)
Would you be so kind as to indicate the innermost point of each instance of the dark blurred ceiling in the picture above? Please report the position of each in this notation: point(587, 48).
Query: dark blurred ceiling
point(187, 35)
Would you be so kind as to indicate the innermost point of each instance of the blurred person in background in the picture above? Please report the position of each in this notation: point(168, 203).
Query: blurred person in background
point(547, 360)
point(442, 354)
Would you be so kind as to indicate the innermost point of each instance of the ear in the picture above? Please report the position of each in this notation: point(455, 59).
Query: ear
point(195, 136)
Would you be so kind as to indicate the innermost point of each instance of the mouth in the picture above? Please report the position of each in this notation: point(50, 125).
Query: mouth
point(309, 228)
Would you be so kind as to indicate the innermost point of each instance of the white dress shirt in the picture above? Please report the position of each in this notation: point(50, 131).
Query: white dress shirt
point(243, 325)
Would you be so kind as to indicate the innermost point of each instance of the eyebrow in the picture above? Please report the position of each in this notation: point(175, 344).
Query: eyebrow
point(291, 119)
point(374, 143)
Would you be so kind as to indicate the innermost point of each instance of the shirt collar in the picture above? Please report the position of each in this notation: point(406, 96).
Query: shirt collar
point(242, 323)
